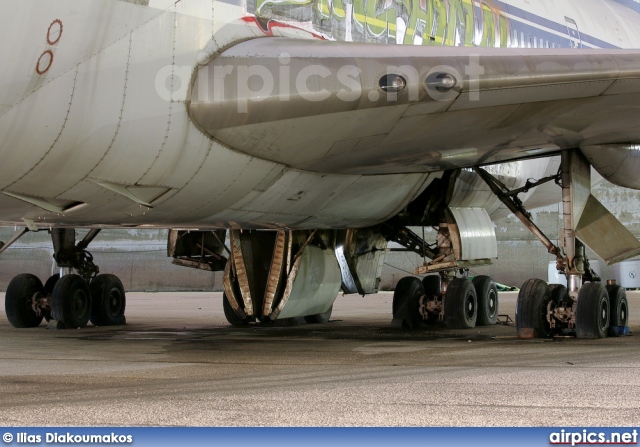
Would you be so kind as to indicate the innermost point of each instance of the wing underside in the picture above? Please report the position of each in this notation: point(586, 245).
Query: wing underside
point(339, 107)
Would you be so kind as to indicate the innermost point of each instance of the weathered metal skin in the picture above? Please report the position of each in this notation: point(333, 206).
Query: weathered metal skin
point(138, 159)
point(108, 128)
point(618, 163)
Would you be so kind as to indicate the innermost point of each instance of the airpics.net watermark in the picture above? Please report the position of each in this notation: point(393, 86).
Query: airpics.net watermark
point(591, 437)
point(284, 79)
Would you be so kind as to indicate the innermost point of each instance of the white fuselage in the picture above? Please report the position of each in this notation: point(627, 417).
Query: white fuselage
point(95, 128)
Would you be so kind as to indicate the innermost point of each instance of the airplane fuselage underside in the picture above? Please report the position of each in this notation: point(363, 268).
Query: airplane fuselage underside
point(308, 118)
point(98, 130)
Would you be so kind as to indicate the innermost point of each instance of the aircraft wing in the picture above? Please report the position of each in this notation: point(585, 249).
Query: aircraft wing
point(339, 107)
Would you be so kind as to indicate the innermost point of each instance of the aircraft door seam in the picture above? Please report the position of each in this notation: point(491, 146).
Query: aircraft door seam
point(172, 101)
point(117, 130)
point(64, 124)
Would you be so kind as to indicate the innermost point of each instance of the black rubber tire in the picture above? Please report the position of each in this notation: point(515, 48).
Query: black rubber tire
point(432, 285)
point(108, 301)
point(50, 284)
point(71, 302)
point(619, 305)
point(319, 318)
point(232, 317)
point(289, 322)
point(406, 302)
point(558, 293)
point(593, 311)
point(531, 310)
point(487, 293)
point(460, 304)
point(48, 291)
point(18, 301)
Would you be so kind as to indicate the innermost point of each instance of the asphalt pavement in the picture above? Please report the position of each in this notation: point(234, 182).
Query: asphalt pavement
point(177, 362)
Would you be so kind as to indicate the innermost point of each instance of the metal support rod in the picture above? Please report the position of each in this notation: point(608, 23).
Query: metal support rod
point(530, 185)
point(91, 235)
point(412, 242)
point(568, 235)
point(13, 239)
point(215, 235)
point(503, 194)
point(64, 244)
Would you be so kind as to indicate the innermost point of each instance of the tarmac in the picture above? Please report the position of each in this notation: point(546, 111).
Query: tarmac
point(178, 363)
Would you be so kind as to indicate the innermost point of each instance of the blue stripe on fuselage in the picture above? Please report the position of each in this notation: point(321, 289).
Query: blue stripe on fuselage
point(549, 24)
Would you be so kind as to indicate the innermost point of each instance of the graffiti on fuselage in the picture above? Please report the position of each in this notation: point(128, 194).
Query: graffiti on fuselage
point(413, 22)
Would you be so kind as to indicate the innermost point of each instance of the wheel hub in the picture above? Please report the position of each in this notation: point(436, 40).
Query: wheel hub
point(470, 308)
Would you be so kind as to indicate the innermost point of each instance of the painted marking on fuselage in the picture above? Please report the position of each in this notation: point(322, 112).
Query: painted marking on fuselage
point(491, 23)
point(44, 62)
point(54, 34)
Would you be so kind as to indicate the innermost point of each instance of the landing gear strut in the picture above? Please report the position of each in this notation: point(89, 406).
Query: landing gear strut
point(72, 300)
point(585, 307)
point(446, 294)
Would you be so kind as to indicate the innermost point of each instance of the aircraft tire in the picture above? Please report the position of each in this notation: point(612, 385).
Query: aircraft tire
point(50, 284)
point(460, 304)
point(531, 309)
point(593, 311)
point(232, 317)
point(289, 322)
point(319, 318)
point(406, 301)
point(48, 291)
point(431, 284)
point(17, 302)
point(619, 309)
point(108, 301)
point(71, 301)
point(487, 294)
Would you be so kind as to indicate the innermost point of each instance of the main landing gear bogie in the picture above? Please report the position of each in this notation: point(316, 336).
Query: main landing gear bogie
point(21, 293)
point(598, 311)
point(465, 304)
point(71, 300)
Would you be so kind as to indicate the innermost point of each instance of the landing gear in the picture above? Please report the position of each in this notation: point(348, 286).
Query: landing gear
point(230, 314)
point(69, 299)
point(319, 318)
point(487, 293)
point(432, 291)
point(108, 301)
point(20, 301)
point(446, 294)
point(406, 302)
point(585, 307)
point(460, 304)
point(592, 311)
point(531, 310)
point(619, 310)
